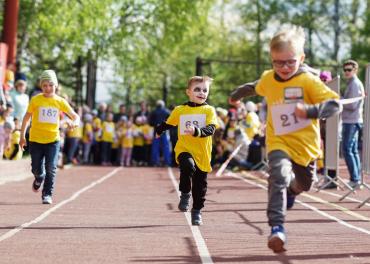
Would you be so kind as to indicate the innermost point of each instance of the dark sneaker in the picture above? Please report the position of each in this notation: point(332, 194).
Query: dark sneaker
point(277, 239)
point(290, 199)
point(184, 202)
point(47, 199)
point(196, 217)
point(36, 185)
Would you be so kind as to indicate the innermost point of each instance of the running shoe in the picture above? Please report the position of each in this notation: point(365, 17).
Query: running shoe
point(36, 185)
point(277, 239)
point(196, 217)
point(47, 199)
point(184, 202)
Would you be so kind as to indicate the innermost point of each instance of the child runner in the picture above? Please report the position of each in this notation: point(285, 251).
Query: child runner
point(296, 99)
point(196, 122)
point(45, 109)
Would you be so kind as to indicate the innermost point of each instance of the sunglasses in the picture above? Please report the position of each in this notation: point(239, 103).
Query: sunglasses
point(280, 63)
point(347, 69)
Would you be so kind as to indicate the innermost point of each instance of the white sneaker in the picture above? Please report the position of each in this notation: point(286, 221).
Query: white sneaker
point(47, 199)
point(277, 239)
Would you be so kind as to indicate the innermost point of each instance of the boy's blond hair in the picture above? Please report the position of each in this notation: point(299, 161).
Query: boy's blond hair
point(289, 38)
point(199, 79)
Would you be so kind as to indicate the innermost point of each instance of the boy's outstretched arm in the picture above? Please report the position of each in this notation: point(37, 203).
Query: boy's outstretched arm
point(244, 90)
point(323, 110)
point(159, 129)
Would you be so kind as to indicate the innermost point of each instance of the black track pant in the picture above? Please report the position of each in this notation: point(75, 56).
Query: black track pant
point(192, 179)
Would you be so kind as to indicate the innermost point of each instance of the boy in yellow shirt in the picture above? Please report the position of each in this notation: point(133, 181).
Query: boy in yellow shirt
point(197, 122)
point(45, 109)
point(296, 100)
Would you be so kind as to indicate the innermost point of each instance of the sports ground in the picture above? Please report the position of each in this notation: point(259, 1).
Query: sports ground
point(129, 215)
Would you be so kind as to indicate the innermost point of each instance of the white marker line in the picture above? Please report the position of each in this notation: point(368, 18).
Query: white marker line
point(348, 198)
point(57, 206)
point(201, 244)
point(307, 206)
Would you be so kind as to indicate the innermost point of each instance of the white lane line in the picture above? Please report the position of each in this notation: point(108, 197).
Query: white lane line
point(307, 206)
point(201, 244)
point(348, 198)
point(45, 214)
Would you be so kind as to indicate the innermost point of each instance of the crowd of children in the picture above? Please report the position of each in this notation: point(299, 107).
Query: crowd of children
point(104, 139)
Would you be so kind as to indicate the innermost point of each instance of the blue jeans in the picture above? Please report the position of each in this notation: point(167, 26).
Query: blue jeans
point(44, 160)
point(350, 134)
point(161, 144)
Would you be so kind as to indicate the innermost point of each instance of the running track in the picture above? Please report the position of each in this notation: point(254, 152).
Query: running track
point(129, 215)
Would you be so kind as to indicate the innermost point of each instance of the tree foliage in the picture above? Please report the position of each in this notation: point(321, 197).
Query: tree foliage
point(151, 46)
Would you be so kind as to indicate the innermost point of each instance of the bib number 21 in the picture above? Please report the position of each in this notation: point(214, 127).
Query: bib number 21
point(285, 121)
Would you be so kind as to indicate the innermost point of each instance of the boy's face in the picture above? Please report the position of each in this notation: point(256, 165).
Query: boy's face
point(48, 88)
point(286, 62)
point(198, 92)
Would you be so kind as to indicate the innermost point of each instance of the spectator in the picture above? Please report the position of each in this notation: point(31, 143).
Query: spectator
point(159, 115)
point(13, 151)
point(120, 114)
point(252, 120)
point(87, 137)
point(20, 99)
point(5, 136)
point(352, 121)
point(127, 143)
point(107, 139)
point(102, 110)
point(143, 110)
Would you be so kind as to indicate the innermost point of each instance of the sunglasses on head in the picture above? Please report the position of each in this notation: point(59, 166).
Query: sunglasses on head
point(348, 69)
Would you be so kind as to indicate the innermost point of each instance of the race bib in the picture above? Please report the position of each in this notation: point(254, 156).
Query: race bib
point(48, 115)
point(109, 129)
point(285, 121)
point(197, 120)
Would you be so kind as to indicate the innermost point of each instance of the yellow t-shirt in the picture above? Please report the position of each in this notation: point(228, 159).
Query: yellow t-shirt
point(87, 131)
point(199, 147)
point(302, 145)
point(253, 124)
point(97, 129)
point(148, 132)
point(107, 131)
point(76, 132)
point(46, 117)
point(14, 140)
point(127, 138)
point(138, 136)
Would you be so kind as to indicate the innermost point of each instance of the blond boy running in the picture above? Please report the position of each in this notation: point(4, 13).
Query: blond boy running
point(296, 99)
point(45, 109)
